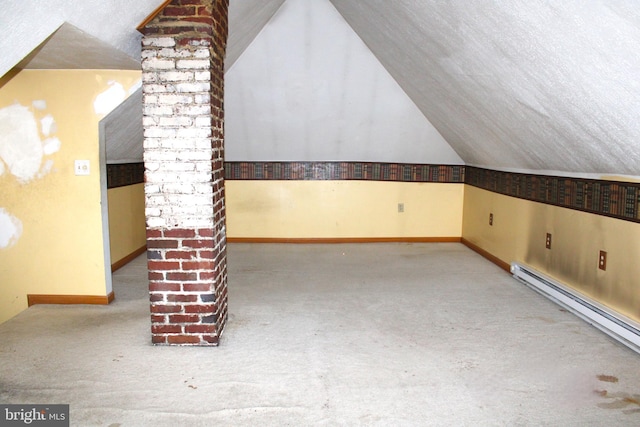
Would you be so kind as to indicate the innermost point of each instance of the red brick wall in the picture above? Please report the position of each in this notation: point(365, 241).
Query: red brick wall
point(183, 52)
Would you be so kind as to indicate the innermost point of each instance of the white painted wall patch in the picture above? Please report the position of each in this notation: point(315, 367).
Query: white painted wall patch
point(48, 125)
point(10, 229)
point(20, 145)
point(51, 145)
point(39, 104)
point(21, 149)
point(110, 98)
point(46, 168)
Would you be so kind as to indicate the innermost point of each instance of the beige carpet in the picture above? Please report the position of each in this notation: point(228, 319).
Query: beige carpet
point(369, 334)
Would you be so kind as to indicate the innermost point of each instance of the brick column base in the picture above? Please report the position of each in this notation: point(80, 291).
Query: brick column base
point(185, 306)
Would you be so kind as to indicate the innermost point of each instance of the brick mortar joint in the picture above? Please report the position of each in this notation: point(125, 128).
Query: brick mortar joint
point(181, 247)
point(188, 304)
point(190, 48)
point(188, 293)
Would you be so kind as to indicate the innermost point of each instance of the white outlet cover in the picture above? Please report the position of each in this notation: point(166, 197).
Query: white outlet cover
point(82, 167)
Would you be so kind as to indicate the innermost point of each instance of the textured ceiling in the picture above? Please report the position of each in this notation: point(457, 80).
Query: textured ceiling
point(123, 133)
point(26, 24)
point(532, 85)
point(535, 85)
point(246, 19)
point(71, 48)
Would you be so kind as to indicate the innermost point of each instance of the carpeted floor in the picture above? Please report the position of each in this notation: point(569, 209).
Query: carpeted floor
point(367, 334)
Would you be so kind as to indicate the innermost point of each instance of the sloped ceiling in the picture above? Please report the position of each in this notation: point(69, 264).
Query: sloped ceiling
point(522, 85)
point(71, 48)
point(26, 24)
point(246, 19)
point(533, 85)
point(123, 133)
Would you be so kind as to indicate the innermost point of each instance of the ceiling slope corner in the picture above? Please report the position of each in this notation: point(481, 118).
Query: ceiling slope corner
point(311, 52)
point(375, 52)
point(247, 19)
point(69, 47)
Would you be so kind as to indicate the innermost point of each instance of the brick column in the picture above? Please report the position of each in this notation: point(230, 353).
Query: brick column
point(183, 50)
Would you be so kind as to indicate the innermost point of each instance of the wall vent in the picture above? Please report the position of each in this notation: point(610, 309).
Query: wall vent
point(608, 321)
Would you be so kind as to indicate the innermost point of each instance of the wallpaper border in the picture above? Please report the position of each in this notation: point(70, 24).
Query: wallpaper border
point(123, 174)
point(362, 171)
point(614, 199)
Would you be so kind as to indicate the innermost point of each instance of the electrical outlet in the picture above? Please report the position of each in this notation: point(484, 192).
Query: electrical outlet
point(82, 167)
point(400, 207)
point(490, 219)
point(548, 241)
point(602, 261)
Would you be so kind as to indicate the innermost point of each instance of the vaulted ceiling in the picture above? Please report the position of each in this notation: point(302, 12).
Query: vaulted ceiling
point(535, 85)
point(525, 84)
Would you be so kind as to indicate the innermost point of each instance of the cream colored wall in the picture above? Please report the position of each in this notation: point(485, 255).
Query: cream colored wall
point(519, 232)
point(60, 250)
point(342, 209)
point(127, 230)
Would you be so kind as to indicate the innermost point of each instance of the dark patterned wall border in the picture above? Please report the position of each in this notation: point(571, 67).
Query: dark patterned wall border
point(363, 171)
point(609, 198)
point(120, 175)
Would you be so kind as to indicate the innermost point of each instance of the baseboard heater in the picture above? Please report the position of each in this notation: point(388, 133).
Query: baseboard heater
point(608, 321)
